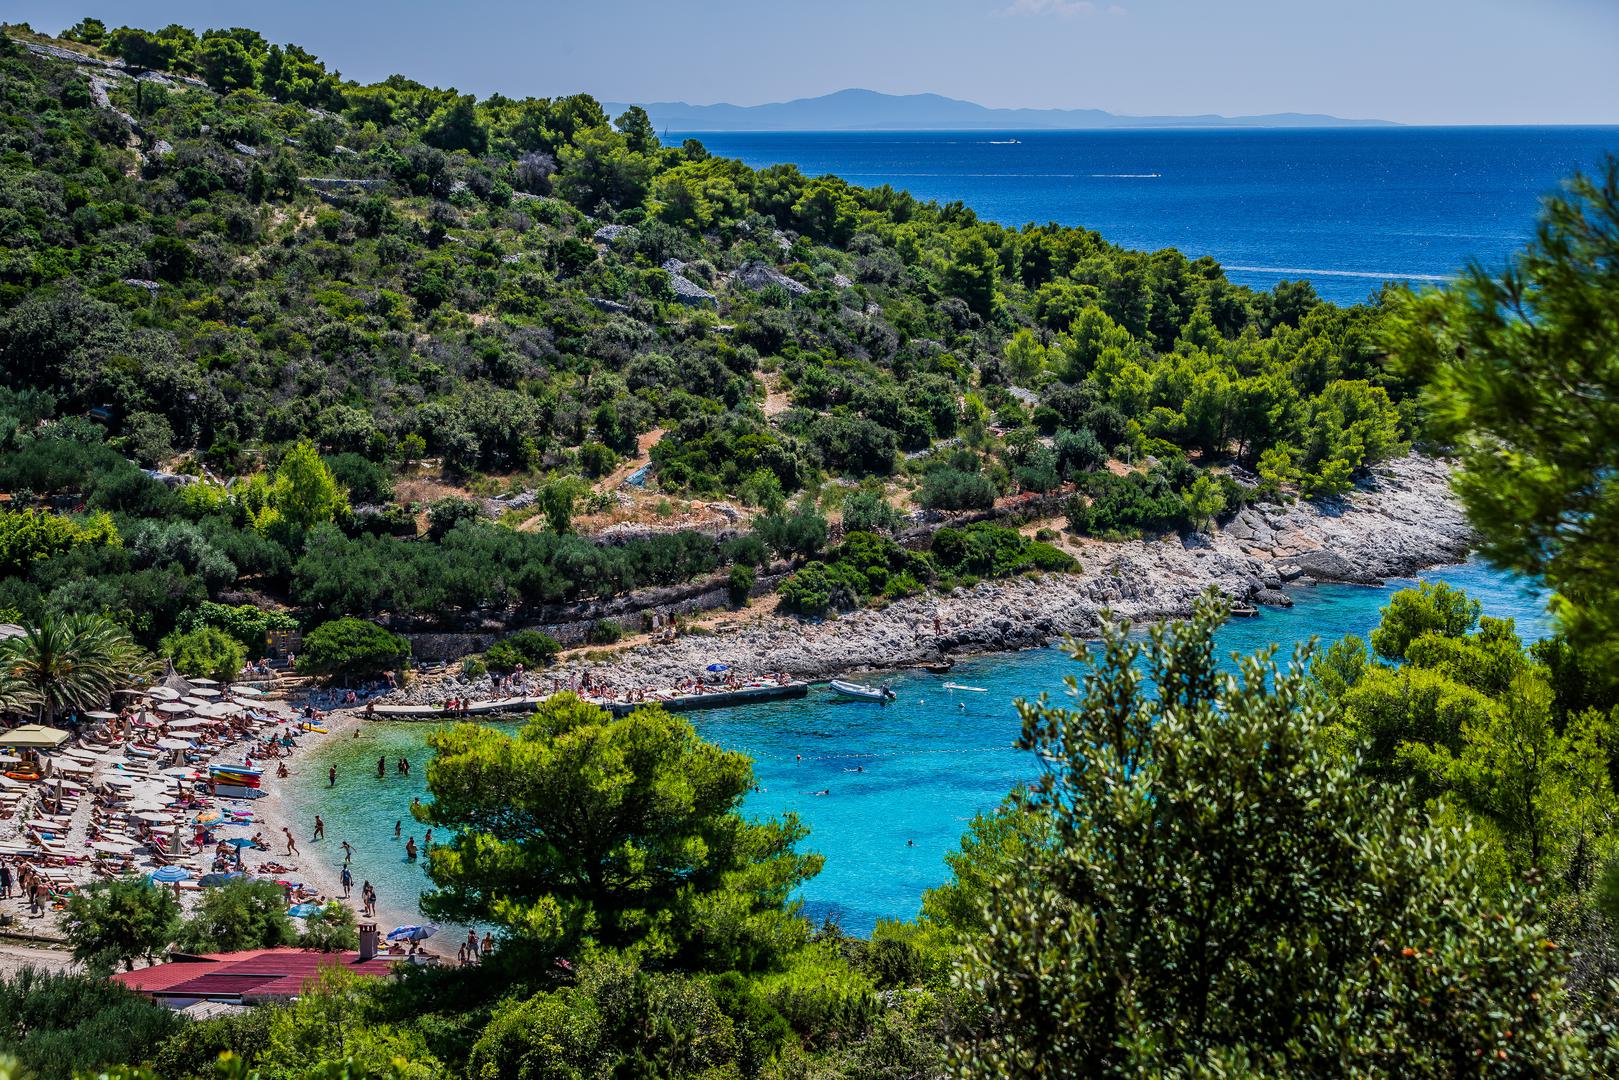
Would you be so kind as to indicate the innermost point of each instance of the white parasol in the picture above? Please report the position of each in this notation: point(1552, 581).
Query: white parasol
point(174, 707)
point(204, 692)
point(163, 693)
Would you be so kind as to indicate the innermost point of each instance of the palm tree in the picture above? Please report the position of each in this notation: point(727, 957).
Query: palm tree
point(71, 662)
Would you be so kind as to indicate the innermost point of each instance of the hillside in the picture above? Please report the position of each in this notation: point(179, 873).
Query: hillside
point(222, 260)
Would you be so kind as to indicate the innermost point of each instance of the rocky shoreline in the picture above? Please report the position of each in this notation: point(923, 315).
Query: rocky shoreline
point(1401, 520)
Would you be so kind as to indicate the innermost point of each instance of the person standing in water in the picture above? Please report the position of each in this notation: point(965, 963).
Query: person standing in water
point(382, 767)
point(331, 776)
point(397, 824)
point(410, 849)
point(348, 852)
point(320, 828)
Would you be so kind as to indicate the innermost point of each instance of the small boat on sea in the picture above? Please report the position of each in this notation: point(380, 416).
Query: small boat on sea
point(941, 668)
point(882, 695)
point(959, 686)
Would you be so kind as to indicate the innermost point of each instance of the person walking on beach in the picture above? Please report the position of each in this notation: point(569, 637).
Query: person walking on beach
point(472, 945)
point(368, 900)
point(348, 852)
point(5, 881)
point(331, 776)
point(347, 878)
point(292, 845)
point(320, 828)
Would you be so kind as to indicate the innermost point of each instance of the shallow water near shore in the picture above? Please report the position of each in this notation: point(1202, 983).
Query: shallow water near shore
point(903, 781)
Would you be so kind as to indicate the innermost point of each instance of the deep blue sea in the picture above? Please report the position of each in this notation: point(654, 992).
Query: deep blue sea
point(1346, 208)
point(903, 781)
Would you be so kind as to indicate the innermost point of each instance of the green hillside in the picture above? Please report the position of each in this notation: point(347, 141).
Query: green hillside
point(237, 253)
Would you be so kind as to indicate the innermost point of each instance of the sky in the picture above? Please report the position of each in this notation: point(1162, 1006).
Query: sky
point(1412, 61)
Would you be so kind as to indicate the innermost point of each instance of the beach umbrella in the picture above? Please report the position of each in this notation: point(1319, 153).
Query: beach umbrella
point(112, 847)
point(102, 714)
point(204, 682)
point(194, 701)
point(173, 744)
point(209, 881)
point(33, 737)
point(412, 933)
point(217, 710)
point(246, 691)
point(238, 842)
point(168, 875)
point(163, 693)
point(174, 707)
point(304, 910)
point(205, 692)
point(151, 817)
point(133, 692)
point(718, 667)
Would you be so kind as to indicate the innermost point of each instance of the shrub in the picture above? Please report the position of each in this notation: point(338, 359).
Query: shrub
point(331, 929)
point(367, 482)
point(531, 648)
point(604, 632)
point(816, 589)
point(948, 488)
point(446, 513)
point(57, 1025)
point(241, 914)
point(204, 652)
point(246, 623)
point(739, 584)
point(867, 511)
point(350, 646)
point(988, 550)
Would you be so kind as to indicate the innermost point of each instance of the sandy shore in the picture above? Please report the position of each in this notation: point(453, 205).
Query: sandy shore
point(320, 863)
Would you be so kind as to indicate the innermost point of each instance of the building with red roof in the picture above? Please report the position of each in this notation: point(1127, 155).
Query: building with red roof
point(246, 978)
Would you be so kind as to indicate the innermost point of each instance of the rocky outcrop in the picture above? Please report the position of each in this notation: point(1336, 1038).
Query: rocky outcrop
point(689, 293)
point(1399, 521)
point(613, 235)
point(756, 275)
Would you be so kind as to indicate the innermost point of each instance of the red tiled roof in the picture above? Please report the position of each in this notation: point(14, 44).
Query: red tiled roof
point(254, 975)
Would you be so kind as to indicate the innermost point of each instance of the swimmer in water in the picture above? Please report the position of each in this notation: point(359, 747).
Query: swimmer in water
point(410, 849)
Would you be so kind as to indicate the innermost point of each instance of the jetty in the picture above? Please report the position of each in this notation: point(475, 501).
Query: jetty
point(714, 699)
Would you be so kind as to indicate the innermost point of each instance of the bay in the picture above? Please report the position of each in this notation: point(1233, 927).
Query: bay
point(1344, 208)
point(902, 781)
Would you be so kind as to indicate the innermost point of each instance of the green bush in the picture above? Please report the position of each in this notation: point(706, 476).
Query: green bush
point(351, 647)
point(984, 549)
point(205, 653)
point(948, 488)
point(331, 929)
point(247, 623)
point(867, 511)
point(366, 481)
point(604, 632)
point(531, 648)
point(58, 1025)
point(241, 914)
point(739, 584)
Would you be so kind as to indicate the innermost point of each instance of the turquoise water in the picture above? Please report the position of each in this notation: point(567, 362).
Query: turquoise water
point(929, 762)
point(1344, 208)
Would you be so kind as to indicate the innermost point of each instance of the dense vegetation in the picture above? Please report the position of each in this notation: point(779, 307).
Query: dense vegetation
point(1393, 857)
point(510, 296)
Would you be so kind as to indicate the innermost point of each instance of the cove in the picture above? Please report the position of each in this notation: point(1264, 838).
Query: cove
point(903, 781)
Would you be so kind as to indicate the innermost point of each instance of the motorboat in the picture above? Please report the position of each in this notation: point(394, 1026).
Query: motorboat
point(882, 695)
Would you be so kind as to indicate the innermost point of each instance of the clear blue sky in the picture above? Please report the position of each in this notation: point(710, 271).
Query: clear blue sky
point(1415, 61)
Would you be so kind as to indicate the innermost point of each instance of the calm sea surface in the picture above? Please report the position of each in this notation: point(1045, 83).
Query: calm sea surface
point(928, 762)
point(1345, 208)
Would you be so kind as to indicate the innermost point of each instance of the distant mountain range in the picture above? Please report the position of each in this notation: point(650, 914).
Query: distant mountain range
point(868, 110)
